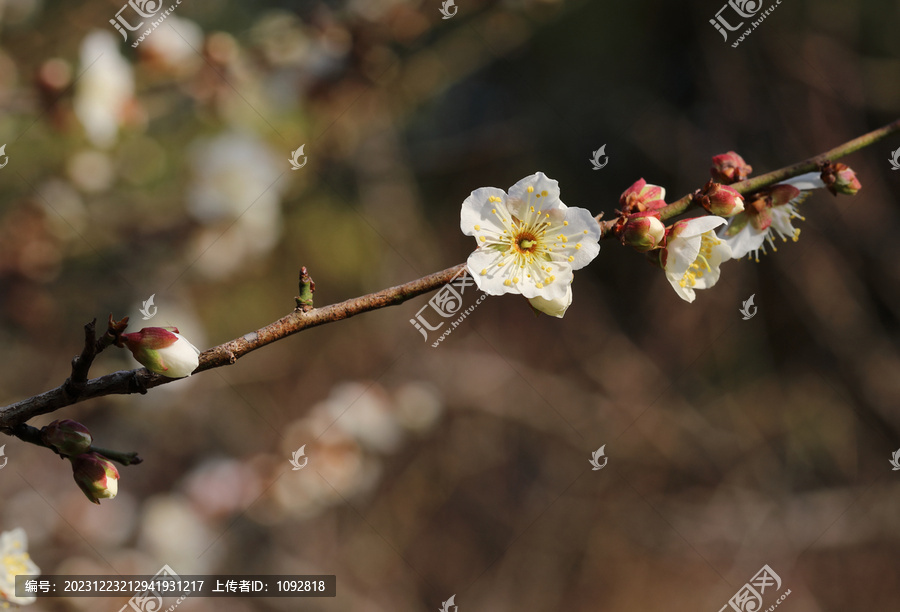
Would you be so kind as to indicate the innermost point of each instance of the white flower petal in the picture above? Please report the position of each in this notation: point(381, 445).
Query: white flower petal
point(476, 211)
point(685, 293)
point(555, 308)
point(805, 182)
point(180, 358)
point(781, 220)
point(681, 253)
point(720, 253)
point(541, 182)
point(587, 234)
point(745, 241)
point(698, 225)
point(491, 282)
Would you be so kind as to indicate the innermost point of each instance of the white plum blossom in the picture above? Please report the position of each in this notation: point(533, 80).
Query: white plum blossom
point(693, 254)
point(768, 216)
point(15, 561)
point(529, 242)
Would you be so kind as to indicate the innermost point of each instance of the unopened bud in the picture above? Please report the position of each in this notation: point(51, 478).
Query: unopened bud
point(720, 200)
point(729, 168)
point(643, 233)
point(96, 476)
point(641, 196)
point(163, 350)
point(840, 178)
point(69, 437)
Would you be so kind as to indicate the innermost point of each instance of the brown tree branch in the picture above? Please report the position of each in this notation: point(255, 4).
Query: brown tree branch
point(140, 380)
point(756, 183)
point(32, 435)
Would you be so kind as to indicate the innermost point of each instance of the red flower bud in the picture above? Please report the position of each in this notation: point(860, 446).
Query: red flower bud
point(720, 200)
point(641, 196)
point(96, 476)
point(643, 232)
point(729, 168)
point(840, 178)
point(69, 437)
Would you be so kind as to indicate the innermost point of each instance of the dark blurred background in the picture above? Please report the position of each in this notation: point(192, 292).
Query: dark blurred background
point(463, 469)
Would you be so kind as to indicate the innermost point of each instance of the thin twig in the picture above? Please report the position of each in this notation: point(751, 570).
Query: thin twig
point(140, 380)
point(770, 178)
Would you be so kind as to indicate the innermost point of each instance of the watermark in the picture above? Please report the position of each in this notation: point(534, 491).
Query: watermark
point(150, 590)
point(449, 605)
point(740, 10)
point(895, 159)
point(749, 599)
point(595, 459)
point(6, 157)
point(151, 600)
point(140, 10)
point(445, 9)
point(745, 309)
point(595, 160)
point(447, 303)
point(895, 459)
point(295, 155)
point(295, 458)
point(3, 456)
point(145, 309)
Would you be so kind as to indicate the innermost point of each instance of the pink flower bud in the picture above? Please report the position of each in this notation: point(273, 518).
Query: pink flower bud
point(163, 350)
point(839, 178)
point(97, 477)
point(69, 437)
point(720, 200)
point(729, 168)
point(643, 232)
point(641, 196)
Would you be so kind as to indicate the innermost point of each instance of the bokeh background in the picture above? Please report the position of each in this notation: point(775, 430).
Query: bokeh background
point(463, 469)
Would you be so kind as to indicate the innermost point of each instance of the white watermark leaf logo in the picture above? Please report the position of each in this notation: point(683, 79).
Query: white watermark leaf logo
point(895, 159)
point(295, 458)
point(151, 600)
point(895, 459)
point(445, 9)
point(745, 309)
point(449, 605)
point(595, 459)
point(749, 597)
point(145, 309)
point(595, 160)
point(447, 302)
point(296, 155)
point(3, 456)
point(4, 156)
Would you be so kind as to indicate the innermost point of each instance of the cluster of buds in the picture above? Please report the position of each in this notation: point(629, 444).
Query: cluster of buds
point(94, 474)
point(639, 225)
point(692, 250)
